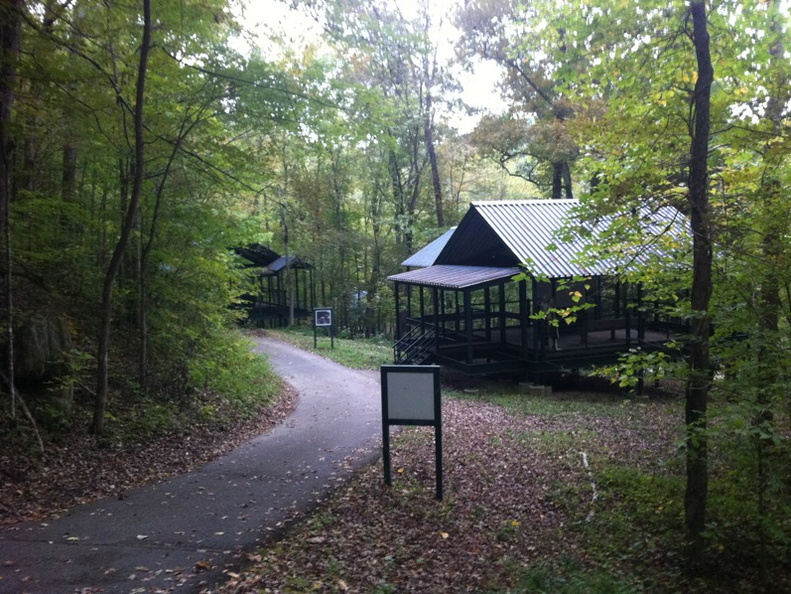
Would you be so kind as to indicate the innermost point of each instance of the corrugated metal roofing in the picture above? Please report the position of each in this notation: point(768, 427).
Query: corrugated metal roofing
point(454, 277)
point(506, 233)
point(528, 227)
point(428, 255)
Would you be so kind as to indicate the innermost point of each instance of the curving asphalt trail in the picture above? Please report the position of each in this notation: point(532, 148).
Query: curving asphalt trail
point(179, 534)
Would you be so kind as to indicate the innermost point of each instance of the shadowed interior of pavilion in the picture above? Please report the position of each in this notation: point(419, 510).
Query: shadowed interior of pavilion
point(470, 304)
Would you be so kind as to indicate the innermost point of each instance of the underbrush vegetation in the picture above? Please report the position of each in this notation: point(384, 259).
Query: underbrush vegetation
point(232, 371)
point(228, 395)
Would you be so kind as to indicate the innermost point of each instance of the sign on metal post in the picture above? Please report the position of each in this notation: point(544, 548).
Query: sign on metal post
point(411, 396)
point(322, 318)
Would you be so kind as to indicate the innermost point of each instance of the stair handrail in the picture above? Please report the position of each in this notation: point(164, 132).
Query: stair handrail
point(415, 344)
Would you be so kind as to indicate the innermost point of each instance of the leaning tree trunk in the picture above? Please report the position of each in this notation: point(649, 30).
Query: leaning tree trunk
point(699, 381)
point(105, 313)
point(10, 25)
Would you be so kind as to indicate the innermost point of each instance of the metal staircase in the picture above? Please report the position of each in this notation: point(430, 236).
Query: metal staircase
point(414, 347)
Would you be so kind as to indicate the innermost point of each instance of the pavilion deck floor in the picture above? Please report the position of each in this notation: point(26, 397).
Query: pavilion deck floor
point(566, 350)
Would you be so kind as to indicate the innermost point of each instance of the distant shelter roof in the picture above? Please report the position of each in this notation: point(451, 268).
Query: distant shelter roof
point(268, 261)
point(257, 254)
point(291, 261)
point(428, 255)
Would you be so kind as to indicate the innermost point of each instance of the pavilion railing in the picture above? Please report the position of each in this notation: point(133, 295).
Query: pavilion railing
point(415, 346)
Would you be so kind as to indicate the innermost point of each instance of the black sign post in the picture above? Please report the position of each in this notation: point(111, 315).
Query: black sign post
point(411, 396)
point(322, 318)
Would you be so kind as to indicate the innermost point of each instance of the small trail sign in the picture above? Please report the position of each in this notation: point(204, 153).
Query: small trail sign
point(322, 318)
point(411, 396)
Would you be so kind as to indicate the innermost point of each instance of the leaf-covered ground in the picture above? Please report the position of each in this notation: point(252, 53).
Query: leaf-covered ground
point(76, 469)
point(574, 492)
point(520, 490)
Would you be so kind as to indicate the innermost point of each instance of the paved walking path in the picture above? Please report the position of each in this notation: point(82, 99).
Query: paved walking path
point(179, 534)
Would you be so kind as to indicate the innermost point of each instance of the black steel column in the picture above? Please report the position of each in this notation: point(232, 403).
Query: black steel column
point(501, 297)
point(487, 304)
point(422, 312)
point(442, 313)
point(537, 338)
point(524, 316)
point(468, 323)
point(457, 317)
point(435, 294)
point(397, 312)
point(640, 317)
point(627, 314)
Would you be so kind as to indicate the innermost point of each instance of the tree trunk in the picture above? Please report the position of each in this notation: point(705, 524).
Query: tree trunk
point(105, 313)
point(10, 26)
point(69, 180)
point(567, 180)
point(432, 159)
point(557, 181)
point(698, 385)
point(288, 271)
point(399, 201)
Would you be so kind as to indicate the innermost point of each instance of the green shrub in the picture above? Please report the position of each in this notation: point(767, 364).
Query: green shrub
point(227, 368)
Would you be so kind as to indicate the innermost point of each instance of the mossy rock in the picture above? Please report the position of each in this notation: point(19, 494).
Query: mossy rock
point(41, 348)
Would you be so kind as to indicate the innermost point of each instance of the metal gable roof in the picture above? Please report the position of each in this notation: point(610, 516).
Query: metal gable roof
point(508, 233)
point(292, 261)
point(257, 254)
point(428, 255)
point(475, 243)
point(454, 277)
point(528, 228)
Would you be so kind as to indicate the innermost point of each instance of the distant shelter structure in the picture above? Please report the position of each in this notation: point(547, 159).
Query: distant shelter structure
point(481, 298)
point(282, 287)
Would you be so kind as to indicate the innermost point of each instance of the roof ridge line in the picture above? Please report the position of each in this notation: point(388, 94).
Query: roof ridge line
point(525, 201)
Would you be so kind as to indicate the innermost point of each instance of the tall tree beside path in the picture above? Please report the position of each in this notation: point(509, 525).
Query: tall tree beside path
point(656, 128)
point(138, 167)
point(699, 381)
point(169, 155)
point(10, 20)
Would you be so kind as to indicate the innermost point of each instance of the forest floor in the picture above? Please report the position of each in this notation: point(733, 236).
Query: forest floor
point(576, 491)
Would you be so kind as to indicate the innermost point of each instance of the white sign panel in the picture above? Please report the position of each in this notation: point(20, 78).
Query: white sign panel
point(410, 396)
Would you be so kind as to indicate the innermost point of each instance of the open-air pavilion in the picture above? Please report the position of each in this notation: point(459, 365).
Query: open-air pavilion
point(487, 297)
point(280, 285)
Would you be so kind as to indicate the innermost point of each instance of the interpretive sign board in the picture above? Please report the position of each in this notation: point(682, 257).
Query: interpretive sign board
point(322, 318)
point(411, 395)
